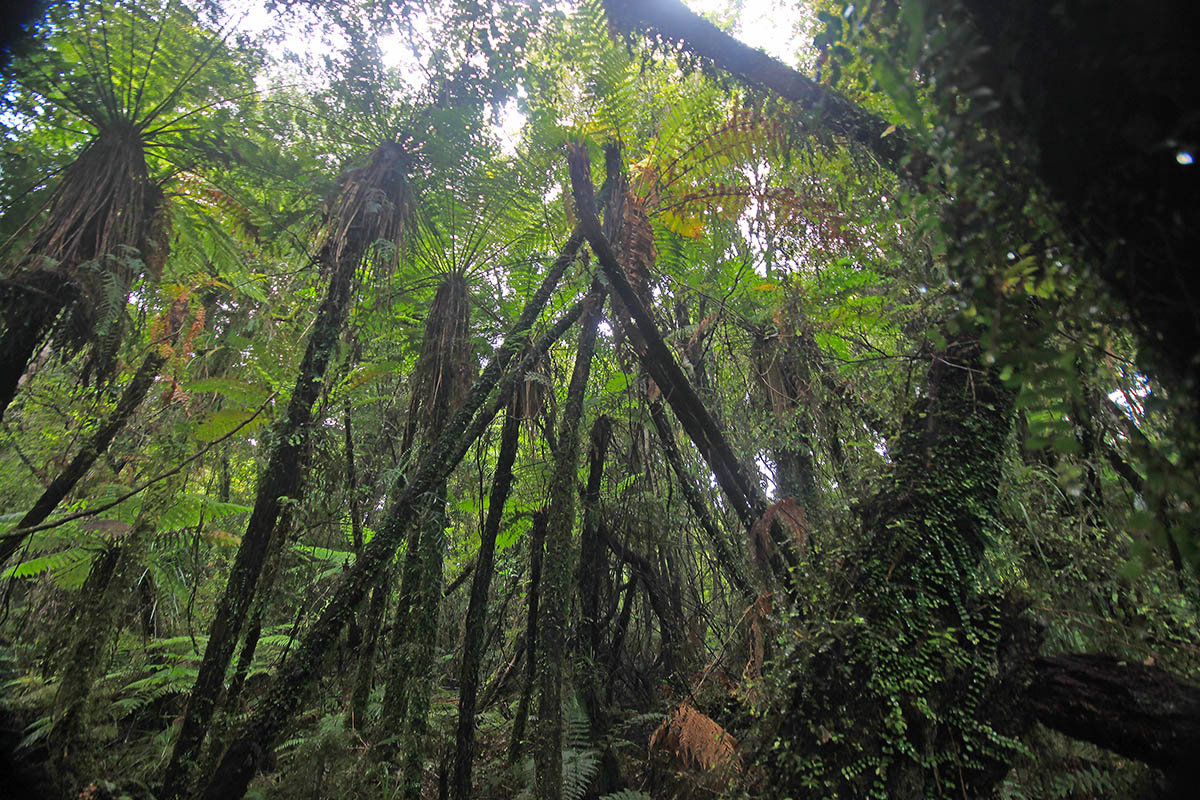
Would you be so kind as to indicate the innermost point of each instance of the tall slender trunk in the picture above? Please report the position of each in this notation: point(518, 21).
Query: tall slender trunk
point(478, 605)
point(244, 757)
point(281, 479)
point(537, 547)
point(250, 641)
point(364, 676)
point(95, 446)
point(557, 567)
point(593, 585)
point(593, 569)
point(411, 684)
point(744, 495)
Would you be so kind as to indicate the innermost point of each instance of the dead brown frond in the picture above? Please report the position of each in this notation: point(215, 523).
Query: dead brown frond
point(446, 365)
point(790, 516)
point(104, 226)
point(531, 394)
point(364, 225)
point(759, 618)
point(635, 245)
point(689, 739)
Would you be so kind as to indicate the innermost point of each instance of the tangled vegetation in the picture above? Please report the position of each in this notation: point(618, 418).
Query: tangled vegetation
point(433, 399)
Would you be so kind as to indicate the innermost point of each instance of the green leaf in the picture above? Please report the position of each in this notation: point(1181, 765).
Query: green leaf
point(223, 422)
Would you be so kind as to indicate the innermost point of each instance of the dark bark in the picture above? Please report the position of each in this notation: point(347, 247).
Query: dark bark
point(85, 655)
point(729, 562)
point(341, 255)
point(592, 587)
point(670, 623)
point(245, 756)
point(365, 673)
point(743, 494)
point(1139, 711)
point(674, 22)
point(592, 564)
point(254, 631)
point(537, 546)
point(500, 682)
point(26, 328)
point(557, 569)
point(618, 638)
point(478, 604)
point(280, 480)
point(96, 445)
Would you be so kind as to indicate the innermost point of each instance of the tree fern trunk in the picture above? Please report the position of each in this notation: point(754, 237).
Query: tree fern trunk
point(478, 605)
point(280, 480)
point(557, 570)
point(244, 757)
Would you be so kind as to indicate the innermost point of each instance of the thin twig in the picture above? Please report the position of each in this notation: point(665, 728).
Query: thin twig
point(90, 512)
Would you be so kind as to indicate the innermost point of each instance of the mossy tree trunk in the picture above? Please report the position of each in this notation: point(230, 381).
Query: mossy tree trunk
point(245, 756)
point(360, 220)
point(477, 606)
point(914, 699)
point(557, 567)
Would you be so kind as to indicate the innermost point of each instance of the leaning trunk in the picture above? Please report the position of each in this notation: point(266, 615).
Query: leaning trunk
point(359, 221)
point(96, 446)
point(245, 756)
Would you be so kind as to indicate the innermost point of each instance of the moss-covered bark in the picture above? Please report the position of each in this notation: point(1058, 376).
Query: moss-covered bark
point(359, 220)
point(558, 565)
point(488, 393)
point(912, 698)
point(478, 605)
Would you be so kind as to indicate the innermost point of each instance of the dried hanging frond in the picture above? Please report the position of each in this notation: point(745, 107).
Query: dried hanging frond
point(689, 739)
point(790, 516)
point(446, 366)
point(758, 616)
point(105, 224)
point(367, 220)
point(531, 394)
point(635, 246)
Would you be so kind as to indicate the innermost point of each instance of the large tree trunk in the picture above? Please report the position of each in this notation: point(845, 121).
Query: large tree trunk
point(922, 686)
point(1139, 711)
point(245, 756)
point(556, 573)
point(478, 604)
